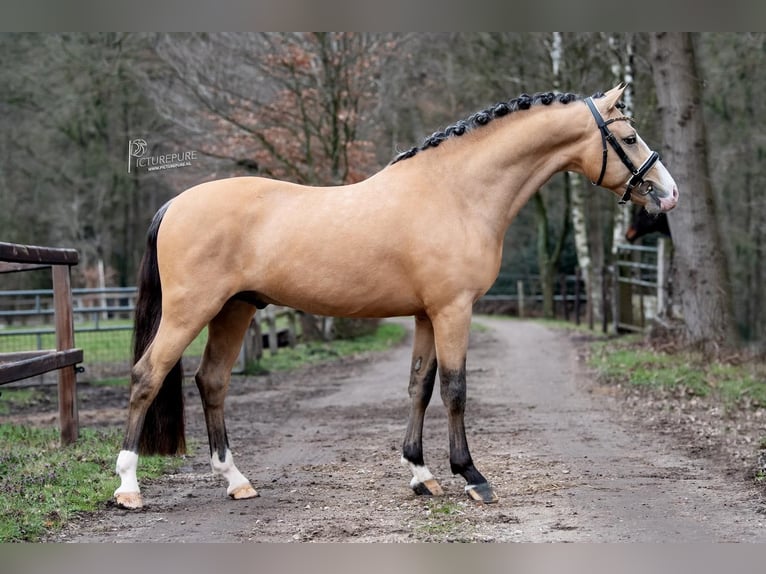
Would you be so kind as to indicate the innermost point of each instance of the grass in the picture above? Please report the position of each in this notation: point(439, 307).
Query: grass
point(440, 521)
point(386, 335)
point(630, 362)
point(110, 345)
point(19, 398)
point(42, 485)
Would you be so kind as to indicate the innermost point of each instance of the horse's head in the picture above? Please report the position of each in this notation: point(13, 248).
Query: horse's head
point(625, 164)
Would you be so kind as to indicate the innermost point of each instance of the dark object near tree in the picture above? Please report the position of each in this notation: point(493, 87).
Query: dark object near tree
point(644, 223)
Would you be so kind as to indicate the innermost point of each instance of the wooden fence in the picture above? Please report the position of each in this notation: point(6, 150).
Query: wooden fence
point(522, 297)
point(103, 326)
point(264, 329)
point(65, 357)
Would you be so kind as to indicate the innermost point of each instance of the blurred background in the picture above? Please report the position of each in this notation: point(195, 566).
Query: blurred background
point(333, 108)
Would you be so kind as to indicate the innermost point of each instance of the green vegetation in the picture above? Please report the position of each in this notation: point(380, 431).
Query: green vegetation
point(42, 484)
point(440, 520)
point(631, 362)
point(111, 344)
point(386, 335)
point(20, 398)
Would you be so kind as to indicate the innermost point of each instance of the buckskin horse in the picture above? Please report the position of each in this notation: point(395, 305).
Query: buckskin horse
point(422, 237)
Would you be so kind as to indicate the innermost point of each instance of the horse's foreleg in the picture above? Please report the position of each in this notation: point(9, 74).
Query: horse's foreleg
point(451, 327)
point(225, 334)
point(422, 376)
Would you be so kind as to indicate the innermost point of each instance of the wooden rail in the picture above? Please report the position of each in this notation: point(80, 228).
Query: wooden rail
point(253, 344)
point(17, 366)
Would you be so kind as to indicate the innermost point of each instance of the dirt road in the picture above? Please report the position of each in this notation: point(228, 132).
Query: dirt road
point(322, 446)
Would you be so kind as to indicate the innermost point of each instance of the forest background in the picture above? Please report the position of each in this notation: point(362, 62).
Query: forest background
point(331, 108)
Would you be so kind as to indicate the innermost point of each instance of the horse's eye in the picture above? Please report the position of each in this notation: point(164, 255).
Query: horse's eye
point(629, 140)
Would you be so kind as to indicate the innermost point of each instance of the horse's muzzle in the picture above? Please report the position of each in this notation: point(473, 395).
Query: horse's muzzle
point(669, 202)
point(659, 201)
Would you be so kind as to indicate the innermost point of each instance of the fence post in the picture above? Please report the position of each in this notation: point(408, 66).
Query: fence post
point(271, 320)
point(616, 294)
point(578, 279)
point(663, 266)
point(253, 343)
point(520, 293)
point(604, 305)
point(62, 303)
point(292, 334)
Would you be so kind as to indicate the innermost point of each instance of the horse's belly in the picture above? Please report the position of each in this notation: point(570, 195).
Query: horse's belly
point(341, 295)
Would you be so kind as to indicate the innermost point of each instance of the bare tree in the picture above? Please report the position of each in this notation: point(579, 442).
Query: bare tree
point(703, 282)
point(293, 106)
point(734, 67)
point(72, 103)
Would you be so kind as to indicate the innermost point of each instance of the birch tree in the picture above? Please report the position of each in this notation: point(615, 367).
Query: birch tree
point(589, 262)
point(622, 70)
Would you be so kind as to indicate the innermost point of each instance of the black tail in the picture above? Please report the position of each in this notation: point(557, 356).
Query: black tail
point(163, 430)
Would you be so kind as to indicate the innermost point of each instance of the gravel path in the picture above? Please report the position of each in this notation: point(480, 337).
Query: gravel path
point(322, 447)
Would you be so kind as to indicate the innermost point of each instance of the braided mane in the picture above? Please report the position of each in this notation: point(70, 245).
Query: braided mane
point(483, 117)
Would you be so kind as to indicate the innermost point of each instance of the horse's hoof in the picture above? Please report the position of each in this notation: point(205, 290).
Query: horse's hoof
point(130, 500)
point(244, 491)
point(481, 493)
point(427, 488)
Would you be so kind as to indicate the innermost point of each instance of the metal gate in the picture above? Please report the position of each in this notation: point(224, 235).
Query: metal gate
point(640, 285)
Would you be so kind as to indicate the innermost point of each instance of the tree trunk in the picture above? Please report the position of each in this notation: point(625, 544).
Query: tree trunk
point(622, 69)
point(703, 282)
point(543, 256)
point(580, 231)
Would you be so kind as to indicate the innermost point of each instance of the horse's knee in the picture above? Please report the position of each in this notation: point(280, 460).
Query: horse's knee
point(453, 389)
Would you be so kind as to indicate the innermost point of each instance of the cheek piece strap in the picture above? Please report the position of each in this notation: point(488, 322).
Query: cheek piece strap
point(637, 174)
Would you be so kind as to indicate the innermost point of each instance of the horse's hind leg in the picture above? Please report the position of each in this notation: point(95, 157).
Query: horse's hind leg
point(422, 376)
point(147, 375)
point(225, 334)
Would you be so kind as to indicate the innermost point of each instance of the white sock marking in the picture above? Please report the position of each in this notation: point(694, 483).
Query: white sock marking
point(127, 463)
point(420, 473)
point(227, 469)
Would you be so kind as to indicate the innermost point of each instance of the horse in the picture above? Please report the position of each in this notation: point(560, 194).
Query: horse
point(422, 237)
point(644, 223)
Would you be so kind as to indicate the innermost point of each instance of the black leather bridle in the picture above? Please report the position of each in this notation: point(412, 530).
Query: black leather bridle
point(637, 174)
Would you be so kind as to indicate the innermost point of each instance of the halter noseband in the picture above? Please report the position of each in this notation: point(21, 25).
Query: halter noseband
point(637, 175)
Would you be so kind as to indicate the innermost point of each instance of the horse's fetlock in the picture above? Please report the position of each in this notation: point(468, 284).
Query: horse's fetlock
point(413, 453)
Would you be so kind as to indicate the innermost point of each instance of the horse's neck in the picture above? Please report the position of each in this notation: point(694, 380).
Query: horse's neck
point(500, 166)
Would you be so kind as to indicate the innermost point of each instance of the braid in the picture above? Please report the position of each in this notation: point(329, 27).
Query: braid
point(483, 117)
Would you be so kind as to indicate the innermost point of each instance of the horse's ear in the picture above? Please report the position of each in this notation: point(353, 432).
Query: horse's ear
point(613, 96)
